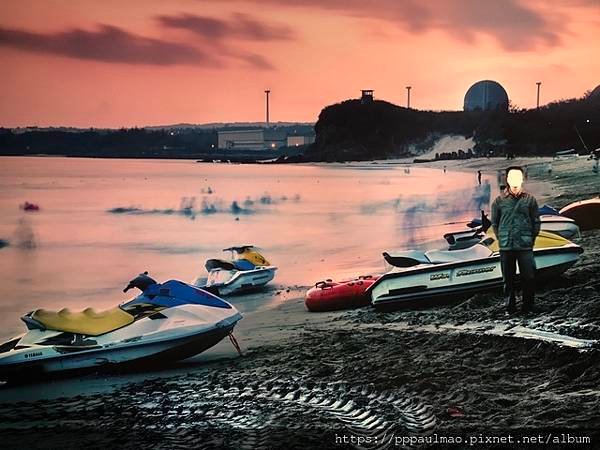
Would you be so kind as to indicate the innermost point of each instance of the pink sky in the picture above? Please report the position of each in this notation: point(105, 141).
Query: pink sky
point(112, 63)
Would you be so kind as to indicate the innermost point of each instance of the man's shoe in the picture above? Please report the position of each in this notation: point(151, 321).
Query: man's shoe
point(511, 306)
point(527, 307)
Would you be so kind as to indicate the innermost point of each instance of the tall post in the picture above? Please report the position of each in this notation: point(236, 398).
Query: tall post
point(408, 96)
point(539, 83)
point(267, 95)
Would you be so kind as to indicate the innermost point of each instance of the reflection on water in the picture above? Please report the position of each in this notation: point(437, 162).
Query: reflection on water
point(103, 221)
point(208, 205)
point(24, 235)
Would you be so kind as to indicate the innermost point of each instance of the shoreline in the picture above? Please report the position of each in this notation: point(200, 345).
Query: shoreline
point(469, 382)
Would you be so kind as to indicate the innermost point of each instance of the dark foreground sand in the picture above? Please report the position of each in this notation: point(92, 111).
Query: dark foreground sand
point(458, 372)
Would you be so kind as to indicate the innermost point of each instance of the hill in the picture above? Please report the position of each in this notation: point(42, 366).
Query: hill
point(352, 130)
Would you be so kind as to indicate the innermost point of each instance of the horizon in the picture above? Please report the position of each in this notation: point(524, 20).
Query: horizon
point(152, 63)
point(259, 124)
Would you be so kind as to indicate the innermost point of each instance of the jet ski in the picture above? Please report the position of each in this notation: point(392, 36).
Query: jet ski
point(557, 224)
point(247, 271)
point(167, 322)
point(418, 277)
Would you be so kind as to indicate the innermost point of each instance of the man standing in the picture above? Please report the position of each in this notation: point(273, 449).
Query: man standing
point(479, 177)
point(516, 223)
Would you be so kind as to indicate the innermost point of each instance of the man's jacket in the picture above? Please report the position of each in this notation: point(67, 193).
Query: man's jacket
point(515, 220)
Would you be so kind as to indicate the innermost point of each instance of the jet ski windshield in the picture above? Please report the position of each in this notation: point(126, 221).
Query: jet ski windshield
point(238, 264)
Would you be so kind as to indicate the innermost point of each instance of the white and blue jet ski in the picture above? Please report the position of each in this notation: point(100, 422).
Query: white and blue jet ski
point(167, 322)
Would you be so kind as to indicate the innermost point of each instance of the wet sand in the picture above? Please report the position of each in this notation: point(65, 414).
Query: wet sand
point(306, 379)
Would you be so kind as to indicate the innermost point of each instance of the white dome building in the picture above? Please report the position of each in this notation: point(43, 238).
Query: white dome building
point(486, 95)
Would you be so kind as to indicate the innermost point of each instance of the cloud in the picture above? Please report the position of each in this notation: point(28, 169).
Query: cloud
point(242, 26)
point(511, 23)
point(108, 44)
point(224, 35)
point(115, 45)
point(256, 61)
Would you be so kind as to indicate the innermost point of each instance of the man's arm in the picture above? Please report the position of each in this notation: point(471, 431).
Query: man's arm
point(534, 214)
point(495, 217)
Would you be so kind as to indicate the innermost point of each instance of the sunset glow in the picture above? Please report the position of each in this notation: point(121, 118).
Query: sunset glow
point(151, 62)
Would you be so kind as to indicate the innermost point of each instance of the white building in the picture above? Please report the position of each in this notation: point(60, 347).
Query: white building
point(241, 139)
point(297, 141)
point(259, 139)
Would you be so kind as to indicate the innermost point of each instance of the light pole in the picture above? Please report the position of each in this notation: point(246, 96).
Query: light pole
point(267, 95)
point(408, 96)
point(539, 83)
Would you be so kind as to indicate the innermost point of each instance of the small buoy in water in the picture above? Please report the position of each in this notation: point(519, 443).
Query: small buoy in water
point(30, 207)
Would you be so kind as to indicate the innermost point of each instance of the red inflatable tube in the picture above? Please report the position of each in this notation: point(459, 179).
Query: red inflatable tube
point(332, 295)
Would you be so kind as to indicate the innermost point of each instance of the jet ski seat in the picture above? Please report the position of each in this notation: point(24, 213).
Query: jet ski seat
point(88, 322)
point(477, 251)
point(408, 258)
point(243, 264)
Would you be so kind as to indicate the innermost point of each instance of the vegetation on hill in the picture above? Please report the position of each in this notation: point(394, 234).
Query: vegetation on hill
point(346, 131)
point(133, 142)
point(167, 142)
point(352, 130)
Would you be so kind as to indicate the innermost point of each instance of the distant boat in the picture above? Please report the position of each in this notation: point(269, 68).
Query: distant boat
point(566, 154)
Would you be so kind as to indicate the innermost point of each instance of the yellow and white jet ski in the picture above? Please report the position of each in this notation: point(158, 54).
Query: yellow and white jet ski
point(247, 270)
point(422, 277)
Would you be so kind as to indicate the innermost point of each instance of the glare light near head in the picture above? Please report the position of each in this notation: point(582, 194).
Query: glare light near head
point(515, 178)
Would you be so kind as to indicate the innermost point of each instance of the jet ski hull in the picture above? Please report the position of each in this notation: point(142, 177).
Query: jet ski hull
point(427, 284)
point(227, 282)
point(138, 356)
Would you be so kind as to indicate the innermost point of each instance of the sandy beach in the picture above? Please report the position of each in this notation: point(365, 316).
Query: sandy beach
point(314, 379)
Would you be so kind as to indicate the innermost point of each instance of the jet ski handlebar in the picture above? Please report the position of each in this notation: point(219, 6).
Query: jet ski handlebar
point(142, 282)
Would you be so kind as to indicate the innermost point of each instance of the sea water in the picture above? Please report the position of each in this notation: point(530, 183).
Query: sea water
point(103, 221)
